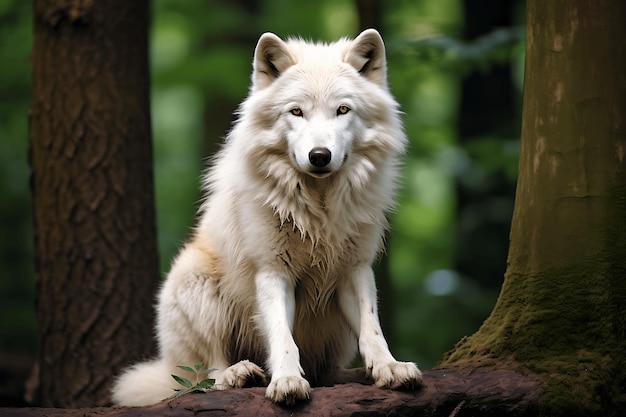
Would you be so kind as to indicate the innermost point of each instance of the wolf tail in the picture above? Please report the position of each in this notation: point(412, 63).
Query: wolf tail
point(144, 384)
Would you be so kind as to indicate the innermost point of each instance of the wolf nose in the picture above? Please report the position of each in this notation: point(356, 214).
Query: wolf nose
point(319, 157)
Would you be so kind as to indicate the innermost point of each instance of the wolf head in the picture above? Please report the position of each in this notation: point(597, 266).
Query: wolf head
point(321, 99)
point(318, 139)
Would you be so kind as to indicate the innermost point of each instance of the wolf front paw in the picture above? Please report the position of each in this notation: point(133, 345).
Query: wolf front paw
point(397, 375)
point(241, 374)
point(288, 390)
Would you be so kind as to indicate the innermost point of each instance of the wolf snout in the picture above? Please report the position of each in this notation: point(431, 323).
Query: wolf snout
point(320, 157)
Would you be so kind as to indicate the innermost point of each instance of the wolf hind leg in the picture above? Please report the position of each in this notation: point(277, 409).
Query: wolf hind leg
point(242, 374)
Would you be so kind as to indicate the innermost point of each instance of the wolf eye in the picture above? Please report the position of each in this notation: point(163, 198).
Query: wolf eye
point(342, 110)
point(296, 111)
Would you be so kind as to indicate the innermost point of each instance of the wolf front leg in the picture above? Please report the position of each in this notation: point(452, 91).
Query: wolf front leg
point(276, 309)
point(358, 304)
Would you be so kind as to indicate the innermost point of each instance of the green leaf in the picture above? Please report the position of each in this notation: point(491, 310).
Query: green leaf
point(208, 371)
point(206, 383)
point(183, 381)
point(179, 392)
point(198, 366)
point(186, 368)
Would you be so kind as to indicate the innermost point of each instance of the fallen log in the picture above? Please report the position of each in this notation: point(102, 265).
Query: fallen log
point(446, 392)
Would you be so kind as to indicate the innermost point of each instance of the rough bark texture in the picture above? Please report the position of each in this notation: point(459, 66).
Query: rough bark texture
point(452, 392)
point(92, 190)
point(562, 309)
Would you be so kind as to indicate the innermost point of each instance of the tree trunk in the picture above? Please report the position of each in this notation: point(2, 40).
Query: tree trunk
point(562, 308)
point(370, 13)
point(219, 106)
point(92, 195)
point(486, 109)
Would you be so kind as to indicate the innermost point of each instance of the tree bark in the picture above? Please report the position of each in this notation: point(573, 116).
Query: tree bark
point(562, 308)
point(92, 195)
point(459, 393)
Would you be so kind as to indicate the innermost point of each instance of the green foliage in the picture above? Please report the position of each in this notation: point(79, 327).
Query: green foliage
point(435, 305)
point(201, 52)
point(200, 385)
point(17, 289)
point(494, 48)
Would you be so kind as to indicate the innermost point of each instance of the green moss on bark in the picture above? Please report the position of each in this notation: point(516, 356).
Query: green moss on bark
point(558, 323)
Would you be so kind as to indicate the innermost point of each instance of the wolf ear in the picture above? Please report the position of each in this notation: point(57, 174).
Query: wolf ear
point(367, 55)
point(271, 58)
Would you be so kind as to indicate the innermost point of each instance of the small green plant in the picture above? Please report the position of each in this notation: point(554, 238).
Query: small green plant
point(200, 385)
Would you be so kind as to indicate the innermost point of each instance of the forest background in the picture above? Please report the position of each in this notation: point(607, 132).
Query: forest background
point(456, 67)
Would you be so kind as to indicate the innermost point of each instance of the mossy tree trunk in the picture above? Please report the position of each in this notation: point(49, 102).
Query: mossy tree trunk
point(92, 193)
point(562, 309)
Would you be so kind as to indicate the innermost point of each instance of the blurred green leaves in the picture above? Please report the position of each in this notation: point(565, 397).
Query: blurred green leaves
point(201, 52)
point(17, 289)
point(480, 54)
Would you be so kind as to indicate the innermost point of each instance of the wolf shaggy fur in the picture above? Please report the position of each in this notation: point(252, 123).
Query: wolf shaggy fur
point(276, 284)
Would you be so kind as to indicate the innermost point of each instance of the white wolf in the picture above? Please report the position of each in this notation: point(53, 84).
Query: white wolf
point(277, 278)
